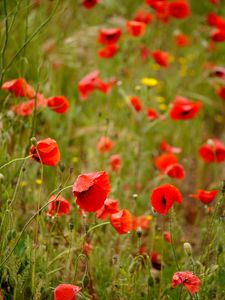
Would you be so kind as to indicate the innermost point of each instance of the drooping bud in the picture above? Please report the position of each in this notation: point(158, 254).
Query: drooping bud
point(188, 249)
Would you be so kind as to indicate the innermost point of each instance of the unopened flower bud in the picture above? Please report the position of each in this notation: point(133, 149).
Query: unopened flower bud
point(34, 141)
point(1, 177)
point(85, 281)
point(188, 249)
point(139, 232)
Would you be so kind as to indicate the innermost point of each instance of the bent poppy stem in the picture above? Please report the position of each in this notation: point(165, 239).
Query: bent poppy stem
point(76, 265)
point(14, 160)
point(29, 221)
point(96, 226)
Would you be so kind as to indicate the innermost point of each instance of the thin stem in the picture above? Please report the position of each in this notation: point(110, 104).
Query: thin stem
point(37, 31)
point(14, 160)
point(96, 226)
point(172, 243)
point(6, 40)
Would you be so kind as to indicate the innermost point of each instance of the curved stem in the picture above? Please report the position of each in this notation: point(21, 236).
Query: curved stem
point(14, 160)
point(96, 226)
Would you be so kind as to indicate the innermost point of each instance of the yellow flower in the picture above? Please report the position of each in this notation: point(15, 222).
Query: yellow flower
point(182, 60)
point(155, 67)
point(163, 106)
point(75, 159)
point(171, 58)
point(160, 99)
point(219, 118)
point(23, 183)
point(149, 217)
point(38, 181)
point(151, 82)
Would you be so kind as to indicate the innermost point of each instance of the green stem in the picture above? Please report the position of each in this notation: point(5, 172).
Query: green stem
point(32, 36)
point(172, 243)
point(5, 42)
point(96, 226)
point(14, 160)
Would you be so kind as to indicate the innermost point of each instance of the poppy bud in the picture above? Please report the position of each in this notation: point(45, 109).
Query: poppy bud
point(139, 232)
point(220, 249)
point(61, 166)
point(114, 259)
point(1, 177)
point(150, 281)
point(85, 281)
point(34, 141)
point(133, 267)
point(71, 226)
point(188, 249)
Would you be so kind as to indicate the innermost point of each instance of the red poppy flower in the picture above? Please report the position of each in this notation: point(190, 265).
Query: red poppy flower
point(87, 249)
point(109, 36)
point(122, 221)
point(140, 222)
point(213, 19)
point(115, 162)
point(163, 161)
point(163, 197)
point(47, 152)
point(58, 104)
point(175, 171)
point(88, 4)
point(104, 144)
point(108, 51)
point(167, 237)
point(155, 3)
point(179, 9)
point(167, 164)
point(66, 292)
point(188, 280)
point(162, 10)
point(151, 114)
point(143, 16)
point(218, 72)
point(58, 207)
point(183, 109)
point(155, 260)
point(91, 190)
point(206, 197)
point(109, 207)
point(221, 92)
point(161, 58)
point(19, 87)
point(91, 82)
point(26, 108)
point(164, 146)
point(135, 28)
point(181, 40)
point(214, 1)
point(212, 151)
point(136, 103)
point(218, 35)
